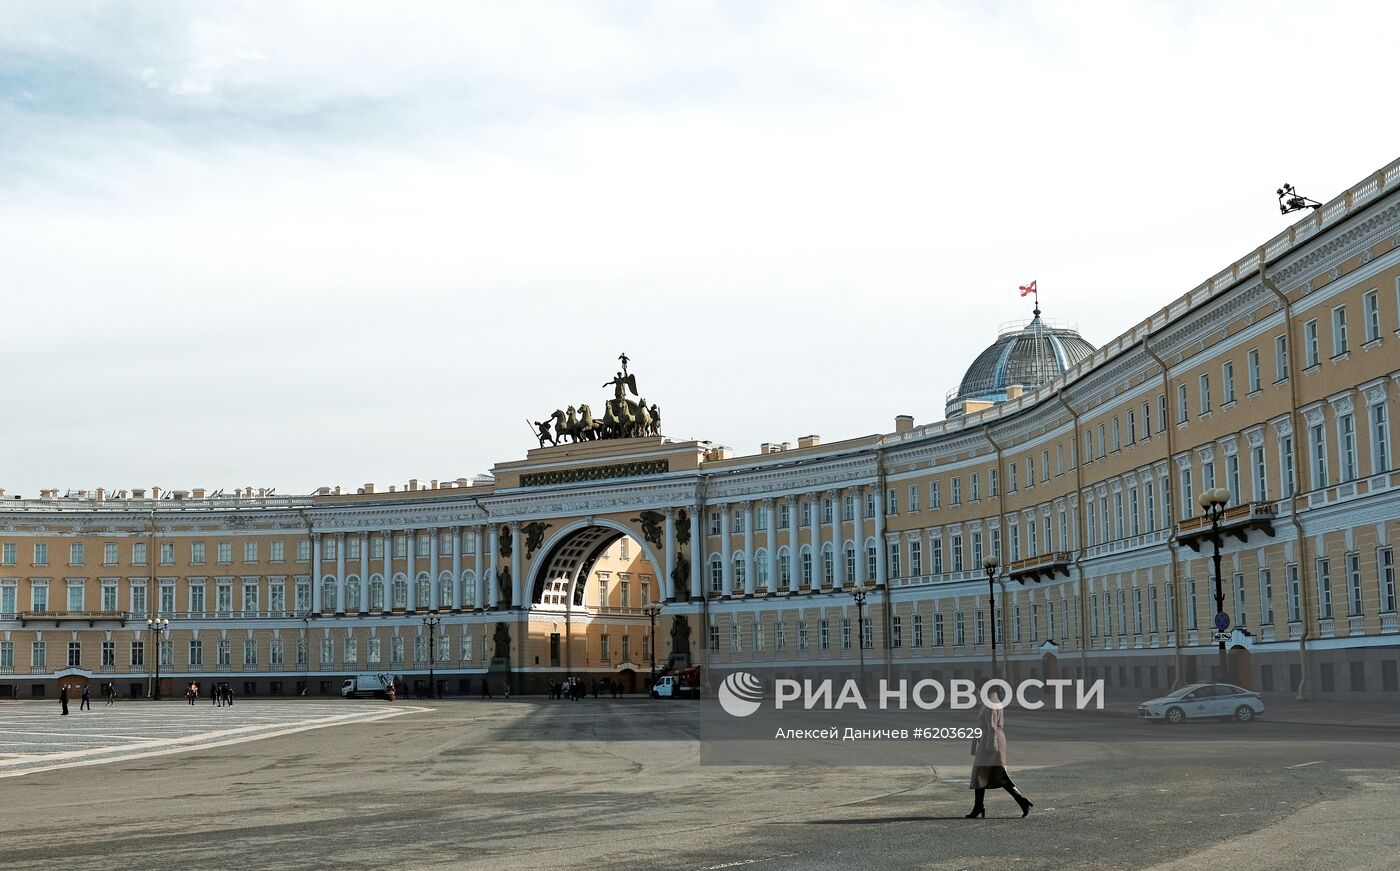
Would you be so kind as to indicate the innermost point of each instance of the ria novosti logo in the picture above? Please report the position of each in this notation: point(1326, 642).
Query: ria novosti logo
point(741, 694)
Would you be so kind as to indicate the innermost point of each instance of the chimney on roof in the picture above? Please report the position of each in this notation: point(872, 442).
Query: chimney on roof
point(198, 493)
point(903, 423)
point(808, 441)
point(155, 492)
point(368, 488)
point(138, 493)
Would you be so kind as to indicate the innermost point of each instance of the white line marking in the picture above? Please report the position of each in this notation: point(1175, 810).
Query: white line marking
point(742, 862)
point(1303, 765)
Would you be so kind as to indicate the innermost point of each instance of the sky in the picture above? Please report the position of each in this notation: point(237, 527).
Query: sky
point(295, 245)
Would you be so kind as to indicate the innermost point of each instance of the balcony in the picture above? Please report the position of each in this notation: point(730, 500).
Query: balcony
point(1325, 627)
point(1238, 521)
point(1388, 623)
point(1356, 625)
point(91, 618)
point(1043, 567)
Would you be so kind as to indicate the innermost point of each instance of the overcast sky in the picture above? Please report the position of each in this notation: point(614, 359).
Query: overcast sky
point(288, 245)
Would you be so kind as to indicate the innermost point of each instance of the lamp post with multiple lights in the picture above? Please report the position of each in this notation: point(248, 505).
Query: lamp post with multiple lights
point(432, 621)
point(858, 593)
point(989, 565)
point(157, 625)
point(1213, 502)
point(652, 610)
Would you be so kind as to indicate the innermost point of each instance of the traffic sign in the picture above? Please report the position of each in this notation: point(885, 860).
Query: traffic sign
point(1222, 636)
point(1222, 621)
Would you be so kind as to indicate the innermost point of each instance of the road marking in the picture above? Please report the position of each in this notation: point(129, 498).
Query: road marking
point(1303, 765)
point(743, 862)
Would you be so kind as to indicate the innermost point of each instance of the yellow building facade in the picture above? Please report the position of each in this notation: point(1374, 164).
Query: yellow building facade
point(1277, 380)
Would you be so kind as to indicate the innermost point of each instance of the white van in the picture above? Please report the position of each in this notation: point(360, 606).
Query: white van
point(375, 686)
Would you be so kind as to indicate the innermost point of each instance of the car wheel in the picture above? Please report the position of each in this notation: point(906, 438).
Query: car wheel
point(1244, 713)
point(1175, 716)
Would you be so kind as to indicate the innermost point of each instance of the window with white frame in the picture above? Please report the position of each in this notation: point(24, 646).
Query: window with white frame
point(1280, 358)
point(1295, 593)
point(1371, 306)
point(1324, 588)
point(1312, 354)
point(1346, 446)
point(1339, 331)
point(1354, 584)
point(1317, 441)
point(1252, 371)
point(1385, 564)
point(1181, 411)
point(1380, 437)
point(1266, 597)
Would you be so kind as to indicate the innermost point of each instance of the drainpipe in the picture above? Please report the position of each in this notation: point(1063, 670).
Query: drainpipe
point(1170, 543)
point(1001, 517)
point(881, 553)
point(702, 644)
point(1079, 537)
point(1306, 616)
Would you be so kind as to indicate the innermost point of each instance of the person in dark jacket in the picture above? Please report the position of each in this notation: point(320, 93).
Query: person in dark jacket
point(86, 703)
point(63, 698)
point(989, 758)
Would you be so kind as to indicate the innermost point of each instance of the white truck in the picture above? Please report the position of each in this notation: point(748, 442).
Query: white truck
point(684, 684)
point(375, 686)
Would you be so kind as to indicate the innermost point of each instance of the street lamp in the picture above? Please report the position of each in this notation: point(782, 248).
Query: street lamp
point(858, 593)
point(157, 625)
point(652, 610)
point(432, 621)
point(1212, 504)
point(989, 565)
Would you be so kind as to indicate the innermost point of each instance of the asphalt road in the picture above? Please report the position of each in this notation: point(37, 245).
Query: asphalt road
point(618, 784)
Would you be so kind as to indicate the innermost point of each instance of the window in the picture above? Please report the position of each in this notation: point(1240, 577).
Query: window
point(75, 554)
point(1205, 394)
point(780, 635)
point(1285, 445)
point(41, 554)
point(1012, 479)
point(823, 635)
point(1280, 358)
point(1191, 616)
point(913, 501)
point(957, 553)
point(1346, 432)
point(994, 482)
point(1161, 412)
point(1181, 416)
point(1266, 597)
point(75, 654)
point(1371, 305)
point(1380, 437)
point(1324, 588)
point(918, 630)
point(935, 545)
point(1339, 331)
point(1252, 370)
point(1227, 384)
point(894, 563)
point(1152, 625)
point(956, 494)
point(250, 551)
point(935, 495)
point(1261, 473)
point(976, 486)
point(109, 598)
point(1103, 447)
point(1060, 452)
point(801, 634)
point(916, 558)
point(1241, 613)
point(1311, 354)
point(1232, 475)
point(959, 632)
point(1354, 584)
point(167, 553)
point(1295, 593)
point(8, 554)
point(109, 554)
point(1045, 465)
point(250, 651)
point(784, 516)
point(197, 553)
point(138, 653)
point(891, 501)
point(1117, 445)
point(845, 633)
point(1171, 608)
point(1132, 427)
point(1317, 439)
point(1188, 505)
point(1385, 564)
point(937, 630)
point(75, 597)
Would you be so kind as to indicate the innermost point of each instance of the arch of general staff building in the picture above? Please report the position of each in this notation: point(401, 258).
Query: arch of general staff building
point(1276, 380)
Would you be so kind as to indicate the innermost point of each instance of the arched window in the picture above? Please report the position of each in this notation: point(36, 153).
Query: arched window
point(760, 568)
point(376, 593)
point(716, 575)
point(469, 589)
point(850, 562)
point(424, 592)
point(784, 568)
point(870, 560)
point(828, 567)
point(446, 591)
point(352, 593)
point(739, 571)
point(400, 592)
point(328, 594)
point(807, 566)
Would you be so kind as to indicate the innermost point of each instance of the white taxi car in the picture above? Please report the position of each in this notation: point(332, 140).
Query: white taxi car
point(1218, 700)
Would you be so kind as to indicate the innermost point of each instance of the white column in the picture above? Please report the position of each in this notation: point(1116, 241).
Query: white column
point(493, 587)
point(668, 583)
point(480, 582)
point(364, 572)
point(517, 583)
point(411, 569)
point(727, 577)
point(315, 574)
point(880, 546)
point(340, 573)
point(433, 569)
point(749, 567)
point(816, 541)
point(772, 545)
point(458, 593)
point(794, 543)
point(388, 539)
point(859, 577)
point(838, 552)
point(697, 554)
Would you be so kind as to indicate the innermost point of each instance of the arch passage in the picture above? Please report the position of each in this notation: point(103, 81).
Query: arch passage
point(571, 560)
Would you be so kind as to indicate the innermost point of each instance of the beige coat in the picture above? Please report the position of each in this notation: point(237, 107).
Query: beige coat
point(990, 749)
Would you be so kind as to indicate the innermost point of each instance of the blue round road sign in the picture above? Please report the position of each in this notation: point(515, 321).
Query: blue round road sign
point(1222, 621)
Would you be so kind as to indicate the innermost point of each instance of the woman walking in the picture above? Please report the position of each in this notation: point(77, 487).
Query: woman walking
point(989, 762)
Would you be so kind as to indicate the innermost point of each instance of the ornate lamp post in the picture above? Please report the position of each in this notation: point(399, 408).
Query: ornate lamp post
point(432, 621)
point(157, 625)
point(989, 565)
point(858, 593)
point(652, 611)
point(1213, 502)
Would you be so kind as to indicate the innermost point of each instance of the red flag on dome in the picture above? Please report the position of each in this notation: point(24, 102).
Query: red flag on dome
point(1028, 289)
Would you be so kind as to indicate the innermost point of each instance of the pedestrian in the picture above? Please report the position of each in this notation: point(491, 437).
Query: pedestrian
point(989, 756)
point(110, 692)
point(507, 688)
point(63, 698)
point(214, 694)
point(228, 694)
point(485, 688)
point(86, 703)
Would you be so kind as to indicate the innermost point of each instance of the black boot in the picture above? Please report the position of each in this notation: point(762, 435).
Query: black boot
point(1025, 803)
point(977, 808)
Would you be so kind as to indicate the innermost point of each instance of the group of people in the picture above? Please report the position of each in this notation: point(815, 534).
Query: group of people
point(574, 689)
point(85, 703)
point(220, 694)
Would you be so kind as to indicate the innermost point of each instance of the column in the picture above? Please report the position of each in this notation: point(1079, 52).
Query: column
point(726, 574)
point(458, 593)
point(315, 573)
point(697, 554)
point(340, 573)
point(388, 539)
point(816, 541)
point(517, 583)
point(880, 547)
point(859, 577)
point(411, 571)
point(749, 568)
point(364, 572)
point(433, 544)
point(772, 545)
point(838, 551)
point(794, 558)
point(479, 599)
point(493, 587)
point(668, 583)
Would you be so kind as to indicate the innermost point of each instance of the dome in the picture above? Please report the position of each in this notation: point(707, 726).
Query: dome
point(1024, 356)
